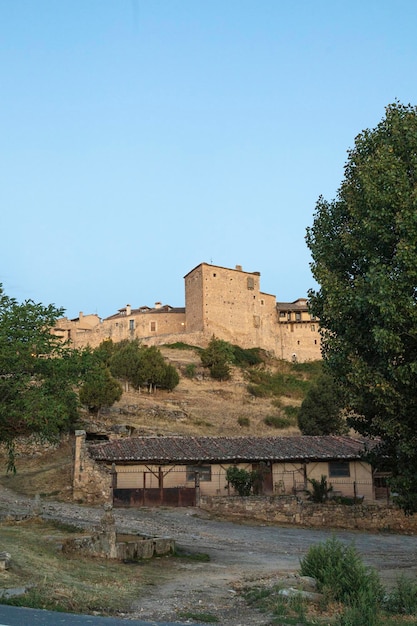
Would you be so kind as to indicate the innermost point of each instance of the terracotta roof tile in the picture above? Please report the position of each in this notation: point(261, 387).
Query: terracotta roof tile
point(190, 449)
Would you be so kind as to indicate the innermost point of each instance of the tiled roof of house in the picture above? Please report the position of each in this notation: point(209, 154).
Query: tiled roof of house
point(298, 305)
point(165, 308)
point(191, 449)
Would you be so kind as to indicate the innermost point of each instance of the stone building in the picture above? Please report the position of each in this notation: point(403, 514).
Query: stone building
point(155, 470)
point(227, 303)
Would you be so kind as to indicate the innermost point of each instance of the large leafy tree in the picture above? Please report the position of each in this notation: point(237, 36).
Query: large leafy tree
point(321, 410)
point(100, 389)
point(38, 373)
point(141, 365)
point(364, 250)
point(217, 357)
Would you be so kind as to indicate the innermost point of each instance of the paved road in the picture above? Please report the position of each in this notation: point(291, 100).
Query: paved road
point(17, 616)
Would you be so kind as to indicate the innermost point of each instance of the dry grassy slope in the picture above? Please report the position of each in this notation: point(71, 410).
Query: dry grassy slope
point(198, 406)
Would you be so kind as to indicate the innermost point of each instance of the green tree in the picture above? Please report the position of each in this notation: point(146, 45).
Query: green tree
point(38, 373)
point(217, 357)
point(100, 389)
point(139, 365)
point(105, 351)
point(364, 250)
point(169, 378)
point(125, 361)
point(321, 410)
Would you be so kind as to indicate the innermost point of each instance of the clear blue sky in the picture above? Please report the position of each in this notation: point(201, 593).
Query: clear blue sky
point(140, 138)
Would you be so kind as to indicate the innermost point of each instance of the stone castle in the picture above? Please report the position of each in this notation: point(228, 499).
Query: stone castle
point(219, 301)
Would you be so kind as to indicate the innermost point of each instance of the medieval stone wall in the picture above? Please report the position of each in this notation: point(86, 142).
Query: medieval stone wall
point(299, 341)
point(140, 325)
point(228, 303)
point(223, 302)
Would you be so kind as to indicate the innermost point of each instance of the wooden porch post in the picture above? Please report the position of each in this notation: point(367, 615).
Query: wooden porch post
point(197, 488)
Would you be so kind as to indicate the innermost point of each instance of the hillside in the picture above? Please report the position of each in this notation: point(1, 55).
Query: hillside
point(197, 406)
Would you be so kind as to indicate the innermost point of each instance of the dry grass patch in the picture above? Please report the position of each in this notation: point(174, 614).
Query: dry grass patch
point(74, 584)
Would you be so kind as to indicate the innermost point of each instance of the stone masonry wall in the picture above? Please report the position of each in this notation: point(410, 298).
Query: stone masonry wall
point(219, 301)
point(92, 483)
point(293, 511)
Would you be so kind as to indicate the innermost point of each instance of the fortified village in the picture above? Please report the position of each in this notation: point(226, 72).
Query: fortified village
point(219, 301)
point(124, 469)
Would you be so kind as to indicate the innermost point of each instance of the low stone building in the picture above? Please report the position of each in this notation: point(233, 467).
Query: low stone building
point(177, 470)
point(227, 303)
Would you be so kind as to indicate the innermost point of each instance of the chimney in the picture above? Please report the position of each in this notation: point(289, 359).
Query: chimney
point(239, 268)
point(128, 309)
point(158, 305)
point(80, 316)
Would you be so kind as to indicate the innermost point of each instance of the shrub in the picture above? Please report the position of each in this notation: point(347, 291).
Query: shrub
point(341, 574)
point(403, 598)
point(277, 421)
point(257, 391)
point(363, 612)
point(217, 357)
point(220, 371)
point(246, 356)
point(240, 479)
point(190, 370)
point(320, 489)
point(278, 384)
point(291, 412)
point(180, 345)
point(243, 421)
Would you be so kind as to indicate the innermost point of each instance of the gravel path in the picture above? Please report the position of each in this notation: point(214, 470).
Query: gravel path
point(239, 554)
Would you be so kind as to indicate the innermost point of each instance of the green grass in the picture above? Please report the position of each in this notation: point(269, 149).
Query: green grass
point(277, 421)
point(77, 584)
point(292, 380)
point(284, 610)
point(403, 598)
point(291, 412)
point(180, 345)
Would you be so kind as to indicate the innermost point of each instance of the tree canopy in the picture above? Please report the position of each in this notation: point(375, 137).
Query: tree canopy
point(217, 357)
point(140, 365)
point(38, 373)
point(321, 410)
point(100, 389)
point(364, 251)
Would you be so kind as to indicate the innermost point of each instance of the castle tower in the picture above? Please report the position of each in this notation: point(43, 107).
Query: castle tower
point(228, 303)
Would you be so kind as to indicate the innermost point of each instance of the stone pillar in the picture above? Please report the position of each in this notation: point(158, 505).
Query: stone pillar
point(78, 459)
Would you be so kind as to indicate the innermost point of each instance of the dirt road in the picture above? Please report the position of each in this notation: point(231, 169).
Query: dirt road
point(239, 554)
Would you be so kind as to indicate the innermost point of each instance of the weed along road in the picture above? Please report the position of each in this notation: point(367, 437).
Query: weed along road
point(17, 616)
